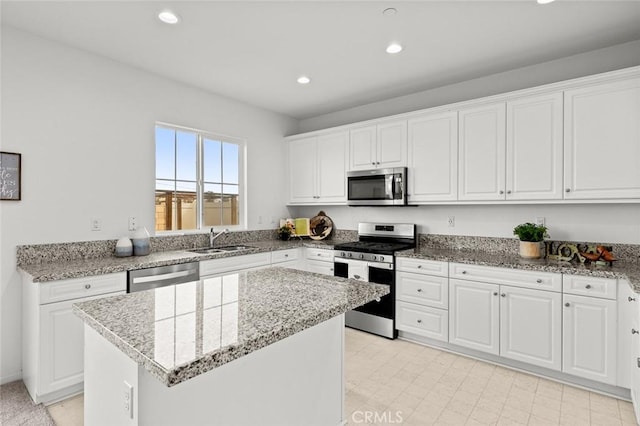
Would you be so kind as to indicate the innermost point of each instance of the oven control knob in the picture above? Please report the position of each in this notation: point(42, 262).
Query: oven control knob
point(374, 258)
point(381, 259)
point(349, 255)
point(362, 256)
point(342, 254)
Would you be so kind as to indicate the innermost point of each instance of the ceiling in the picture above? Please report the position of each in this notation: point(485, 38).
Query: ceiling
point(255, 51)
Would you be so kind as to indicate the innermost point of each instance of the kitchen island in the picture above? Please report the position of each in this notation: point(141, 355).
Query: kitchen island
point(260, 347)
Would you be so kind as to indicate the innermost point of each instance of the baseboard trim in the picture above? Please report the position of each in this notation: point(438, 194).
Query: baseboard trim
point(10, 378)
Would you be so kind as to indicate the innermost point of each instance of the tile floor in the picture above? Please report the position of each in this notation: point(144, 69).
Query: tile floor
point(393, 382)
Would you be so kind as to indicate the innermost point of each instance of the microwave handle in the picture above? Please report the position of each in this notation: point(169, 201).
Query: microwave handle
point(397, 186)
point(390, 186)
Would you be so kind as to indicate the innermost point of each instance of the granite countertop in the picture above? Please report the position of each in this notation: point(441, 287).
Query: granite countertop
point(43, 272)
point(178, 332)
point(629, 271)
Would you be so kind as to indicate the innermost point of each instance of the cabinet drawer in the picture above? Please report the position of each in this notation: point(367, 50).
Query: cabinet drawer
point(319, 254)
point(57, 291)
point(589, 286)
point(422, 320)
point(319, 267)
point(514, 277)
point(422, 289)
point(236, 263)
point(284, 255)
point(420, 266)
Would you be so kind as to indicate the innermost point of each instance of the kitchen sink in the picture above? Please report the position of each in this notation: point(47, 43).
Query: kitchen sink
point(222, 249)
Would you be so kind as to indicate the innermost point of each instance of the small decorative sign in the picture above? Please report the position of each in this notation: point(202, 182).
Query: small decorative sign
point(10, 176)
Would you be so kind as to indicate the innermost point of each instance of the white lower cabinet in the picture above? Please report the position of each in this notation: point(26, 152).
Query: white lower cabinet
point(53, 336)
point(513, 322)
point(589, 344)
point(319, 261)
point(422, 320)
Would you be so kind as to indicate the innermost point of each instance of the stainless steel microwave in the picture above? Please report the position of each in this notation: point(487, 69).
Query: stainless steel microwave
point(380, 187)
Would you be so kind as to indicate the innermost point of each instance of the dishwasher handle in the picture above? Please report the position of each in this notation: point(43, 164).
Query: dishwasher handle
point(149, 278)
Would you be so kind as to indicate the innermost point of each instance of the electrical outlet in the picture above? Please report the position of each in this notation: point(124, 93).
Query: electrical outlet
point(451, 221)
point(540, 221)
point(127, 396)
point(96, 224)
point(133, 223)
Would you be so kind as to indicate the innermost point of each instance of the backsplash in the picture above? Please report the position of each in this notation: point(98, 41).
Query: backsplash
point(54, 252)
point(622, 252)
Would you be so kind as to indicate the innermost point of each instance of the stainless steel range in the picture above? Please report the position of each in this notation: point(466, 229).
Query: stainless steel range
point(371, 259)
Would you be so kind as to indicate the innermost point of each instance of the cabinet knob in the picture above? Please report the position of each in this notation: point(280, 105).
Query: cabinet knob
point(503, 295)
point(567, 190)
point(632, 299)
point(539, 281)
point(286, 255)
point(419, 321)
point(588, 286)
point(419, 266)
point(464, 272)
point(501, 192)
point(87, 286)
point(373, 163)
point(331, 269)
point(634, 331)
point(509, 192)
point(377, 163)
point(567, 304)
point(419, 290)
point(495, 293)
point(318, 254)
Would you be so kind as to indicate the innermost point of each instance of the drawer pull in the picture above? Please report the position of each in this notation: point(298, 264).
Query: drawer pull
point(495, 293)
point(632, 299)
point(419, 266)
point(331, 269)
point(319, 254)
point(419, 290)
point(539, 281)
point(419, 321)
point(634, 331)
point(286, 255)
point(567, 304)
point(503, 295)
point(464, 272)
point(588, 286)
point(87, 286)
point(567, 190)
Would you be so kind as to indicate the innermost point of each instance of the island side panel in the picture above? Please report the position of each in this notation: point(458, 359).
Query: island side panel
point(106, 369)
point(296, 381)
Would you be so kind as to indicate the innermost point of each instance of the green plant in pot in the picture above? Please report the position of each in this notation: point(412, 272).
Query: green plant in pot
point(284, 232)
point(531, 239)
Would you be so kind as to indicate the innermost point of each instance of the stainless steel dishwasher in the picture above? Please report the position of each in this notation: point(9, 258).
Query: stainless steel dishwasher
point(146, 279)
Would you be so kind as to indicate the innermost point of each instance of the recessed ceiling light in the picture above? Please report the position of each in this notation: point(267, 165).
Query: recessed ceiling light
point(390, 11)
point(544, 1)
point(394, 48)
point(168, 17)
point(304, 79)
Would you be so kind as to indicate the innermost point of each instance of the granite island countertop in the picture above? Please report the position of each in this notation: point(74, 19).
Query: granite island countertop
point(629, 271)
point(78, 268)
point(178, 332)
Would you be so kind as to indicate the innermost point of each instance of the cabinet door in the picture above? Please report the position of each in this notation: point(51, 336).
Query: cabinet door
point(302, 170)
point(61, 345)
point(534, 148)
point(474, 315)
point(392, 144)
point(481, 164)
point(589, 343)
point(531, 326)
point(433, 157)
point(362, 148)
point(602, 141)
point(332, 167)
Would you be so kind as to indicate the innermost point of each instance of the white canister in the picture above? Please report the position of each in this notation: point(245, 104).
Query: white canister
point(141, 242)
point(124, 247)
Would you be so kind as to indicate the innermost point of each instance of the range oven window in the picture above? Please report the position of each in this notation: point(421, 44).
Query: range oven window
point(369, 188)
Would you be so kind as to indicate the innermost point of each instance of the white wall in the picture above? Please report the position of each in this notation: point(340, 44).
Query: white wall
point(85, 127)
point(613, 223)
point(597, 61)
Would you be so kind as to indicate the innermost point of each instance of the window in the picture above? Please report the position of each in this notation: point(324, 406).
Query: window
point(198, 179)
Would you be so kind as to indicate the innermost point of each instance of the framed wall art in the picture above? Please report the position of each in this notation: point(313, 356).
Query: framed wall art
point(10, 176)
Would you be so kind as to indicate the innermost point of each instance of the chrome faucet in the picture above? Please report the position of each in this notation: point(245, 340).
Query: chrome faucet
point(213, 237)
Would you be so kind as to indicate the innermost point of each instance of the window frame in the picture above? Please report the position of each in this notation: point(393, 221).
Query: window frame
point(242, 166)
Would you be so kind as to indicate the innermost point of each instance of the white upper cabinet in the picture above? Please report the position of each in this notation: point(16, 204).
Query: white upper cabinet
point(317, 169)
point(433, 157)
point(602, 141)
point(379, 146)
point(534, 148)
point(481, 161)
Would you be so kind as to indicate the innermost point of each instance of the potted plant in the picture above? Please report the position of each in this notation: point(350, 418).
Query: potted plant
point(285, 231)
point(531, 239)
